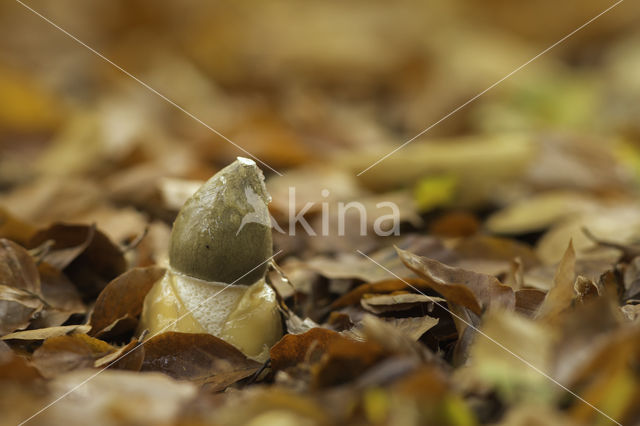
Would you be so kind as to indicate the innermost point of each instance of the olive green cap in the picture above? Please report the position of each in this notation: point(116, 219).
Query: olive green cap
point(224, 231)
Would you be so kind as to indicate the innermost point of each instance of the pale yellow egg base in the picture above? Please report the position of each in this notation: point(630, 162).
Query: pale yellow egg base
point(245, 316)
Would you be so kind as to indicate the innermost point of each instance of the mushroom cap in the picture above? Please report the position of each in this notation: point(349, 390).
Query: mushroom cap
point(223, 232)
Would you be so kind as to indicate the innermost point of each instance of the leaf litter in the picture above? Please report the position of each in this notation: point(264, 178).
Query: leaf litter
point(519, 215)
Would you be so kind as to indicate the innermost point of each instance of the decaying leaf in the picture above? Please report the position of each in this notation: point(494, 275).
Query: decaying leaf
point(61, 297)
point(398, 335)
point(484, 290)
point(201, 358)
point(381, 287)
point(17, 268)
point(61, 354)
point(395, 302)
point(17, 308)
point(47, 333)
point(128, 357)
point(120, 302)
point(85, 254)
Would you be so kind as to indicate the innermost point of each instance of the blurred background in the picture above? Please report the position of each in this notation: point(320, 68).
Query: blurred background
point(319, 91)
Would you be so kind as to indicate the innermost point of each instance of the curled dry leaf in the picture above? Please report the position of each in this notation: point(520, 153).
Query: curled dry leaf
point(357, 266)
point(47, 333)
point(202, 358)
point(61, 297)
point(470, 289)
point(17, 268)
point(20, 297)
point(398, 335)
point(335, 358)
point(69, 241)
point(120, 303)
point(396, 302)
point(381, 287)
point(85, 254)
point(17, 308)
point(128, 357)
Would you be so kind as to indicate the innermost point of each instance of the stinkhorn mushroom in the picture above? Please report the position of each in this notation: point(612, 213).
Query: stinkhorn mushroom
point(218, 257)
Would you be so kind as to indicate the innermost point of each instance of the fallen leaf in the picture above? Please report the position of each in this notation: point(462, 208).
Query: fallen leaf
point(398, 335)
point(413, 327)
point(381, 287)
point(61, 297)
point(85, 255)
point(17, 309)
point(344, 360)
point(294, 349)
point(47, 333)
point(379, 304)
point(528, 301)
point(484, 290)
point(68, 243)
point(201, 358)
point(61, 354)
point(17, 268)
point(120, 302)
point(356, 266)
point(128, 357)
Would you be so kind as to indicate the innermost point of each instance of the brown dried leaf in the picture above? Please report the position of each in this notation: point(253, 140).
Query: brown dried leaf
point(386, 286)
point(47, 333)
point(294, 349)
point(398, 335)
point(528, 300)
point(61, 296)
point(69, 242)
point(344, 360)
point(201, 358)
point(379, 304)
point(17, 308)
point(17, 268)
point(482, 291)
point(334, 358)
point(65, 353)
point(454, 293)
point(128, 357)
point(85, 254)
point(120, 303)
